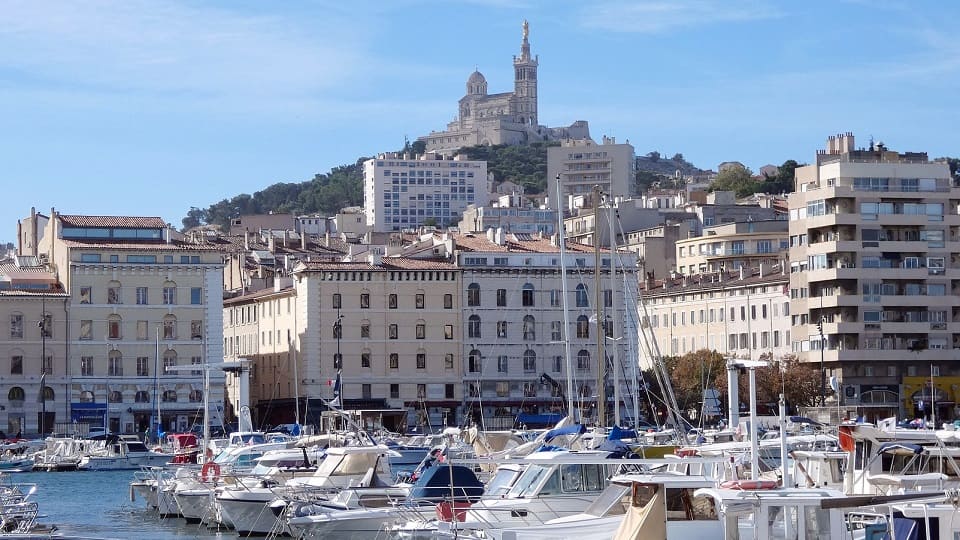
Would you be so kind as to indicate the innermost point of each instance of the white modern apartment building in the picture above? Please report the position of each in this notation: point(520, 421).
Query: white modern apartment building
point(875, 260)
point(401, 192)
point(515, 329)
point(746, 244)
point(141, 303)
point(583, 164)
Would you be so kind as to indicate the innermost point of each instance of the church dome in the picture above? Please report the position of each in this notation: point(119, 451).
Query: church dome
point(477, 83)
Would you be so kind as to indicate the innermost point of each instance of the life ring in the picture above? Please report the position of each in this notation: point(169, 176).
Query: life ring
point(750, 484)
point(210, 472)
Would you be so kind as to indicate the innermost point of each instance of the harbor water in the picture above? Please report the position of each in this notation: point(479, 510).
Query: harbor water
point(97, 505)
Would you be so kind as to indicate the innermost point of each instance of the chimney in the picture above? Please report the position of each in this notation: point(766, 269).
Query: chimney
point(326, 239)
point(490, 235)
point(246, 239)
point(499, 236)
point(375, 258)
point(761, 270)
point(271, 242)
point(303, 240)
point(286, 236)
point(741, 272)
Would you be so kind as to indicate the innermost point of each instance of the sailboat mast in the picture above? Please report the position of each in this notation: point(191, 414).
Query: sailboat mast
point(566, 311)
point(598, 298)
point(614, 361)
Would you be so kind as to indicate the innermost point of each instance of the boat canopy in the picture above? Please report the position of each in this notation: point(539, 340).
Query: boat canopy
point(437, 483)
point(576, 429)
point(899, 448)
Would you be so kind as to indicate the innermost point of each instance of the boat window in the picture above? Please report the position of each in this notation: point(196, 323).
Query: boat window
point(613, 501)
point(356, 464)
point(816, 523)
point(593, 478)
point(682, 506)
point(528, 478)
point(501, 482)
point(572, 478)
point(782, 522)
point(642, 494)
point(552, 485)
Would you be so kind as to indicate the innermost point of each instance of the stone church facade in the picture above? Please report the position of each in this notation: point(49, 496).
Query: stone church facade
point(504, 118)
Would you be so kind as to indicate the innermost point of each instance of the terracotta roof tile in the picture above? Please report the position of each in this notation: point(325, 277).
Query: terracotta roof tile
point(130, 222)
point(135, 245)
point(386, 264)
point(535, 244)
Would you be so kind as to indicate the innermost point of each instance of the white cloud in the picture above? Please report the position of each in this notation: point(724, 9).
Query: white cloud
point(657, 16)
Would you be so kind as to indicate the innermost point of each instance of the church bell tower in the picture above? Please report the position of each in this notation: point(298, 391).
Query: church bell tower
point(525, 82)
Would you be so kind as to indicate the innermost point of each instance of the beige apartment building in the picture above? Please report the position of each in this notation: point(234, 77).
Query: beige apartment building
point(399, 337)
point(29, 295)
point(141, 303)
point(730, 246)
point(582, 164)
point(875, 260)
point(738, 313)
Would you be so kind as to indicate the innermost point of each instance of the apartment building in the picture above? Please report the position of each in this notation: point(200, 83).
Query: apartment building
point(874, 257)
point(740, 313)
point(399, 335)
point(516, 329)
point(142, 302)
point(401, 192)
point(746, 244)
point(582, 164)
point(32, 352)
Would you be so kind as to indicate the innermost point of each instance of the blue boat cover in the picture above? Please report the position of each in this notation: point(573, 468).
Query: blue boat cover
point(435, 485)
point(899, 448)
point(537, 420)
point(617, 433)
point(576, 429)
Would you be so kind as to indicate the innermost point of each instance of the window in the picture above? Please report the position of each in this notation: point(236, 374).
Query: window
point(503, 364)
point(473, 361)
point(16, 394)
point(365, 329)
point(501, 329)
point(473, 326)
point(392, 301)
point(529, 389)
point(421, 361)
point(142, 327)
point(196, 395)
point(142, 296)
point(113, 293)
point(142, 396)
point(169, 327)
point(16, 365)
point(115, 364)
point(113, 327)
point(365, 359)
point(583, 327)
point(85, 294)
point(448, 361)
point(337, 329)
point(501, 297)
point(196, 329)
point(607, 298)
point(196, 295)
point(529, 328)
point(526, 298)
point(395, 391)
point(169, 396)
point(392, 331)
point(582, 300)
point(473, 295)
point(421, 391)
point(557, 365)
point(169, 293)
point(394, 361)
point(86, 330)
point(16, 326)
point(503, 389)
point(143, 366)
point(555, 297)
point(86, 365)
point(421, 330)
point(448, 391)
point(556, 331)
point(169, 361)
point(419, 301)
point(583, 360)
point(115, 396)
point(448, 301)
point(529, 361)
point(336, 301)
point(448, 331)
point(364, 300)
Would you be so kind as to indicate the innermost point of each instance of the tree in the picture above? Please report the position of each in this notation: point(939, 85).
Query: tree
point(195, 218)
point(693, 373)
point(783, 181)
point(654, 156)
point(737, 179)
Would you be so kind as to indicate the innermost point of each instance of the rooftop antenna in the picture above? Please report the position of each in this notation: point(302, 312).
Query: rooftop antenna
point(871, 143)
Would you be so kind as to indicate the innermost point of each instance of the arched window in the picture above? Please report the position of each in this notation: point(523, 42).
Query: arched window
point(48, 394)
point(583, 327)
point(473, 361)
point(529, 361)
point(169, 360)
point(583, 360)
point(196, 396)
point(169, 396)
point(169, 326)
point(473, 326)
point(529, 327)
point(142, 396)
point(16, 394)
point(115, 396)
point(527, 295)
point(86, 396)
point(113, 327)
point(473, 295)
point(582, 300)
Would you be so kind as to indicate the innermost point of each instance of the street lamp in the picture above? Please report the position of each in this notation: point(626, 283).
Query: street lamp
point(823, 373)
point(42, 324)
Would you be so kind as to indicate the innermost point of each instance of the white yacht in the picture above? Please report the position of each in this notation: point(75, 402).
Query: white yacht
point(120, 453)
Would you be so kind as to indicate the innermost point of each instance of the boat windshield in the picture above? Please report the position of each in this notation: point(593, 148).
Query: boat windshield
point(501, 482)
point(530, 480)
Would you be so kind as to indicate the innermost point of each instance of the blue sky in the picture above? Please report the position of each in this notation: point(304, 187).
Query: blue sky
point(130, 107)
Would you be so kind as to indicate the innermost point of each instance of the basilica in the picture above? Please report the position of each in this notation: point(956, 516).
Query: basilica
point(504, 118)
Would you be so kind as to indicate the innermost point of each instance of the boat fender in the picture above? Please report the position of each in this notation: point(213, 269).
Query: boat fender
point(210, 472)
